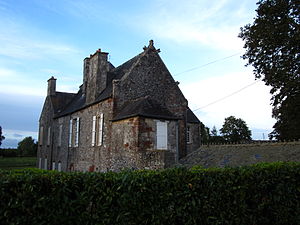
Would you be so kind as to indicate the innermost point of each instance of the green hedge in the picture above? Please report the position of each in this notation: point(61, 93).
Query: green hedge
point(259, 194)
point(9, 152)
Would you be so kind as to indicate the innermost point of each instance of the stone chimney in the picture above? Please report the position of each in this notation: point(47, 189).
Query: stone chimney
point(95, 75)
point(86, 66)
point(51, 86)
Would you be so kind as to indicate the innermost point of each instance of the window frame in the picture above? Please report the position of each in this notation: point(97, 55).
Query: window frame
point(162, 135)
point(188, 135)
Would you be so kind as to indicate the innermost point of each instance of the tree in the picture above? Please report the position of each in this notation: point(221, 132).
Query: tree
point(204, 133)
point(1, 136)
point(235, 130)
point(214, 131)
point(27, 147)
point(214, 137)
point(272, 46)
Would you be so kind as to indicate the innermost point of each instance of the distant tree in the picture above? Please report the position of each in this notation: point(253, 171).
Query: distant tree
point(27, 147)
point(214, 137)
point(1, 136)
point(204, 133)
point(272, 46)
point(235, 130)
point(214, 131)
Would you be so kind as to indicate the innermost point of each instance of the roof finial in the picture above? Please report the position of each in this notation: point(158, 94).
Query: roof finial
point(151, 44)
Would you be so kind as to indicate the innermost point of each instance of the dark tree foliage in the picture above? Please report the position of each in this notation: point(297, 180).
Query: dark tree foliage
point(214, 131)
point(272, 46)
point(214, 137)
point(204, 133)
point(235, 130)
point(1, 137)
point(27, 147)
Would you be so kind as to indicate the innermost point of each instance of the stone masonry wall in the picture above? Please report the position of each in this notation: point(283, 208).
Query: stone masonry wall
point(44, 149)
point(150, 77)
point(243, 154)
point(195, 140)
point(85, 157)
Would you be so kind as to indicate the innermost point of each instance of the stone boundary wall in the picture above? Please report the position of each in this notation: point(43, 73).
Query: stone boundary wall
point(243, 154)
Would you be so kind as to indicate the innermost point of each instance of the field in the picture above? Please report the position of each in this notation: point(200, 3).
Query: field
point(9, 163)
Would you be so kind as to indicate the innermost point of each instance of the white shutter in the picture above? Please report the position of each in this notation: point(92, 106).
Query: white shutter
point(40, 163)
point(45, 165)
point(77, 132)
point(100, 140)
point(70, 134)
point(162, 135)
point(59, 167)
point(49, 135)
point(94, 130)
point(41, 135)
point(60, 134)
point(53, 165)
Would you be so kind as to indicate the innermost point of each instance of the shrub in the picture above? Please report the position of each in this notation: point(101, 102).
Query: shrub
point(259, 194)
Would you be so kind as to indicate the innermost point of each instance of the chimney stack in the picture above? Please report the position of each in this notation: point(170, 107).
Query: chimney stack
point(51, 86)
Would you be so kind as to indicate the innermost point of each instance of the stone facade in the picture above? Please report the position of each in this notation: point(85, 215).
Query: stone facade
point(131, 116)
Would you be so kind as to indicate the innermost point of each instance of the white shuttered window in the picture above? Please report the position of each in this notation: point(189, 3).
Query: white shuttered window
point(46, 164)
point(162, 135)
point(59, 167)
point(49, 136)
point(40, 163)
point(70, 134)
point(53, 165)
point(77, 132)
point(60, 134)
point(100, 139)
point(94, 130)
point(41, 135)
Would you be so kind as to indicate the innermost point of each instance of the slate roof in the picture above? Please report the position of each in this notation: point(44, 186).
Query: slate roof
point(79, 100)
point(191, 117)
point(145, 107)
point(60, 100)
point(67, 103)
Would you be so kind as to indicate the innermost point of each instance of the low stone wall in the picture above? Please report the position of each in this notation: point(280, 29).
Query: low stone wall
point(242, 154)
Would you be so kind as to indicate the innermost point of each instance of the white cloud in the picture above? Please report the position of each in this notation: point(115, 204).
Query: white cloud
point(18, 134)
point(251, 104)
point(214, 24)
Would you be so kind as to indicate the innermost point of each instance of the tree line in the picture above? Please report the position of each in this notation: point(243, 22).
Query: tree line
point(26, 147)
point(234, 130)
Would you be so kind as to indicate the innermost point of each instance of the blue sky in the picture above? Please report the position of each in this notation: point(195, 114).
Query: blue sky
point(40, 39)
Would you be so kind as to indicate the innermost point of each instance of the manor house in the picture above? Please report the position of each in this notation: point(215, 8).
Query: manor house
point(130, 116)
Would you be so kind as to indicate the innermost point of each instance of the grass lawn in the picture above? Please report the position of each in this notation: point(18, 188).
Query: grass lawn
point(10, 163)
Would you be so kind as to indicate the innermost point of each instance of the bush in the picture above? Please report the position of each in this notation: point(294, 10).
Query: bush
point(259, 194)
point(8, 152)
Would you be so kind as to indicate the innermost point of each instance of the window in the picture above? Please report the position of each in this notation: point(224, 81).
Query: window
point(53, 165)
point(162, 135)
point(74, 134)
point(59, 167)
point(49, 136)
point(45, 165)
point(97, 130)
point(188, 134)
point(40, 163)
point(60, 134)
point(100, 130)
point(41, 135)
point(94, 130)
point(77, 132)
